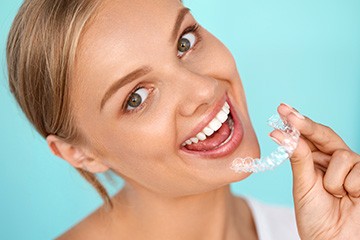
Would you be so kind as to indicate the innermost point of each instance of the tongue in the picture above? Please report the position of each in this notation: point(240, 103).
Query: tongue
point(213, 141)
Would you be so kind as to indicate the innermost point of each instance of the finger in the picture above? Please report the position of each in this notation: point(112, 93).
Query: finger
point(339, 167)
point(321, 159)
point(323, 137)
point(352, 181)
point(302, 165)
point(285, 112)
point(312, 146)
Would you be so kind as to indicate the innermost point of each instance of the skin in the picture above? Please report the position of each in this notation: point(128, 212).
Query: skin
point(326, 176)
point(164, 186)
point(169, 194)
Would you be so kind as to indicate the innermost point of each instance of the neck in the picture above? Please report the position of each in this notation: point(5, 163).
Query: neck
point(212, 215)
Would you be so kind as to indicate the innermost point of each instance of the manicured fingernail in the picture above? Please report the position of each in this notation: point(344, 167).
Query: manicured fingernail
point(288, 106)
point(275, 140)
point(293, 110)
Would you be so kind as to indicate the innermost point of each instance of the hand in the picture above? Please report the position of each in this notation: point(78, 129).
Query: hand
point(326, 180)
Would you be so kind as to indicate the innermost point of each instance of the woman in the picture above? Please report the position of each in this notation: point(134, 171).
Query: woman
point(109, 92)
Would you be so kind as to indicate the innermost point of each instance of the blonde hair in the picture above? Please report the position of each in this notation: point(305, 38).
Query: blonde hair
point(41, 51)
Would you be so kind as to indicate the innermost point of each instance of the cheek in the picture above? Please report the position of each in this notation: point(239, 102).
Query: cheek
point(214, 59)
point(143, 151)
point(147, 138)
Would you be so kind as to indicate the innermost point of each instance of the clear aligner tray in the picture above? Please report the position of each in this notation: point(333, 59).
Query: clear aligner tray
point(282, 153)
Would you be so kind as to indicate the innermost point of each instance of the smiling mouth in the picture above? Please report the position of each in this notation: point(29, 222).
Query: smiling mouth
point(217, 133)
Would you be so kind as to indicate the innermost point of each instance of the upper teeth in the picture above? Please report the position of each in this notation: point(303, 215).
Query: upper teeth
point(212, 127)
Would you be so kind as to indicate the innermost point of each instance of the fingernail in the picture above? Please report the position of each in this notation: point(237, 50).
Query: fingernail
point(275, 140)
point(338, 196)
point(296, 112)
point(287, 105)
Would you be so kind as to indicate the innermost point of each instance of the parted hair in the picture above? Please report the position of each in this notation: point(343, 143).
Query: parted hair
point(41, 50)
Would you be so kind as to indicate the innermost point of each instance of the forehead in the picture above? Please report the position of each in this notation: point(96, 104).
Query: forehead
point(125, 27)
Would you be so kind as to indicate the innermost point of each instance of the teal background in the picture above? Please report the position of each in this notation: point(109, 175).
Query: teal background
point(305, 53)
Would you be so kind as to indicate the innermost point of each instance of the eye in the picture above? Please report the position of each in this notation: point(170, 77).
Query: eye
point(137, 98)
point(185, 43)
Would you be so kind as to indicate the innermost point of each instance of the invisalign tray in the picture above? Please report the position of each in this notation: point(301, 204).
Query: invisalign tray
point(283, 152)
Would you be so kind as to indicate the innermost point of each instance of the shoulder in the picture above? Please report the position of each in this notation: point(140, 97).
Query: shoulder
point(93, 227)
point(272, 221)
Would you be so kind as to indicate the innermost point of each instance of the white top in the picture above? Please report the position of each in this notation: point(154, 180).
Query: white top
point(273, 222)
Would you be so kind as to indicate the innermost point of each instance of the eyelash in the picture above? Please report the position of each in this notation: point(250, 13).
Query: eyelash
point(141, 106)
point(194, 29)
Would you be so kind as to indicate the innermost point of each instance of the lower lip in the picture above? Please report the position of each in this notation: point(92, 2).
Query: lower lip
point(227, 148)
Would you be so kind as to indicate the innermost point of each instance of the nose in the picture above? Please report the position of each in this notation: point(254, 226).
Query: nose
point(198, 92)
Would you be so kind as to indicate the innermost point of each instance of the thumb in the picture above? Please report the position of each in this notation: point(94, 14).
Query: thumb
point(302, 164)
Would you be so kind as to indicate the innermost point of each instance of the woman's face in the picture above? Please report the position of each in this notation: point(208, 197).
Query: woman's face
point(138, 120)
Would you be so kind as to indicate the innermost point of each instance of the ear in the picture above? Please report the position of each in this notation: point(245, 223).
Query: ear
point(75, 155)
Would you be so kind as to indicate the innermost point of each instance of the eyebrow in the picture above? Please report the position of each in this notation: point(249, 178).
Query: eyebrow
point(142, 71)
point(180, 18)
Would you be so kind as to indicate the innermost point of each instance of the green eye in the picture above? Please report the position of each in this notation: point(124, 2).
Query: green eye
point(137, 98)
point(185, 43)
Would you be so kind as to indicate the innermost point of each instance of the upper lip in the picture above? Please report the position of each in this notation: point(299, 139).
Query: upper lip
point(207, 119)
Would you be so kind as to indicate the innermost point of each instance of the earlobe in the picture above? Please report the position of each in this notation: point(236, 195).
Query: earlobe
point(74, 155)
